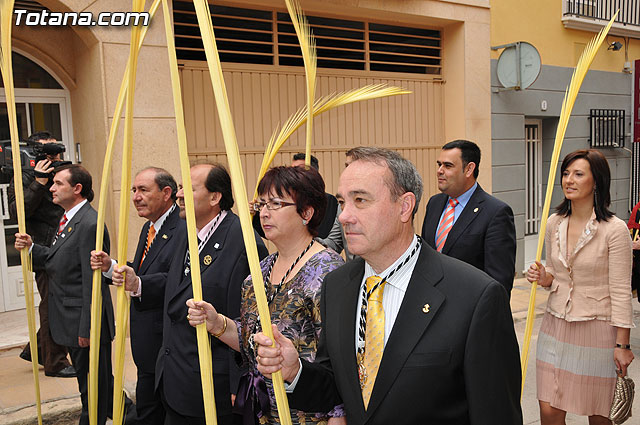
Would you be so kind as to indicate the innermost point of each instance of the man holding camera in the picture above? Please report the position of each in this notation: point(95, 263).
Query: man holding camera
point(42, 218)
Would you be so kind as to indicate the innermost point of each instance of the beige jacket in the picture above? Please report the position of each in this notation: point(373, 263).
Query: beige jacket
point(594, 282)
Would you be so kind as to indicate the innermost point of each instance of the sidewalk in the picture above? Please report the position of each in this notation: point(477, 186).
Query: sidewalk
point(61, 400)
point(60, 396)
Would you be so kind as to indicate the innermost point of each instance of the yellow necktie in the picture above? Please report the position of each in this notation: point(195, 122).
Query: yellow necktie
point(374, 336)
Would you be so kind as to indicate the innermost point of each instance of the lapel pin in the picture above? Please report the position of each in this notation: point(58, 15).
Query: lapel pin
point(164, 236)
point(425, 309)
point(475, 210)
point(69, 229)
point(217, 245)
point(207, 260)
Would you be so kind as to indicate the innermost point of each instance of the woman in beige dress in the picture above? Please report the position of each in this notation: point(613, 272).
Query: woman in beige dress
point(584, 337)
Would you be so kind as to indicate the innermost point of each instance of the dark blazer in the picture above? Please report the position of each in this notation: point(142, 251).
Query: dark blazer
point(146, 311)
point(453, 362)
point(68, 265)
point(484, 235)
point(178, 367)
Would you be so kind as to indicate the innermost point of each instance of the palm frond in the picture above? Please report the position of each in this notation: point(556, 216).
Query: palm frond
point(309, 57)
point(323, 104)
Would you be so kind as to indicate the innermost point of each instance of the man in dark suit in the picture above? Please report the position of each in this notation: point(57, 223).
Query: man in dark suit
point(434, 339)
point(479, 229)
point(154, 195)
point(42, 218)
point(223, 268)
point(67, 263)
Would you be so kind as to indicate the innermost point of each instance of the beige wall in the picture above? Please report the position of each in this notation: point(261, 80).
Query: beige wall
point(92, 63)
point(262, 97)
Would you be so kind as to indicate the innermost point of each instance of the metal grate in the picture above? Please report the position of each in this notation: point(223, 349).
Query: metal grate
point(604, 9)
point(268, 37)
point(607, 128)
point(4, 202)
point(533, 204)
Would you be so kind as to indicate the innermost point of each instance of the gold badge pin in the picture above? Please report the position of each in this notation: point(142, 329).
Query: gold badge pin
point(207, 260)
point(165, 236)
point(475, 210)
point(69, 229)
point(425, 309)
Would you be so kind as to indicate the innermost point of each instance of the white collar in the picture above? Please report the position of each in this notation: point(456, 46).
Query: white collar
point(160, 221)
point(398, 283)
point(74, 210)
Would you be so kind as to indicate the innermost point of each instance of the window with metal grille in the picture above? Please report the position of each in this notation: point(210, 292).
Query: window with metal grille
point(607, 128)
point(268, 37)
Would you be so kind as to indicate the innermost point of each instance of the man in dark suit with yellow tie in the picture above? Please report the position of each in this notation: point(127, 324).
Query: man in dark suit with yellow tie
point(409, 336)
point(154, 195)
point(467, 223)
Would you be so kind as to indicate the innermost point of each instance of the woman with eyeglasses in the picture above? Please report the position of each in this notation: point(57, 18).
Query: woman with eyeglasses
point(291, 205)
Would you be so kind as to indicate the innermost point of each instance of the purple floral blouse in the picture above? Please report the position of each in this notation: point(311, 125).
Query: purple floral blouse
point(295, 309)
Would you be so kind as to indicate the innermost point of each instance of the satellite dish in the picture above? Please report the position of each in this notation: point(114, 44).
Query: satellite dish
point(519, 65)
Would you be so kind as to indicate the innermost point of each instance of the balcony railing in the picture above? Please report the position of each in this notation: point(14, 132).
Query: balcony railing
point(591, 15)
point(604, 9)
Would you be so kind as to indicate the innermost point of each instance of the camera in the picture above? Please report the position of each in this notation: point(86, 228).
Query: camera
point(30, 155)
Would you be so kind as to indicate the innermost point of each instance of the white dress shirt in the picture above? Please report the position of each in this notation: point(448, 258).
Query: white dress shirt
point(157, 225)
point(69, 215)
point(394, 289)
point(392, 297)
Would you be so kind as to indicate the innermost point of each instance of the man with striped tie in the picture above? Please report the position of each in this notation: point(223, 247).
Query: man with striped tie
point(154, 197)
point(409, 336)
point(467, 223)
point(67, 262)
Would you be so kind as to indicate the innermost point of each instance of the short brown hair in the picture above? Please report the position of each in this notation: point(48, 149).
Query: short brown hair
point(305, 186)
point(78, 175)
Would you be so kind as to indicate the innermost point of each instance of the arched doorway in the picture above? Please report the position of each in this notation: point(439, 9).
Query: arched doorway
point(42, 103)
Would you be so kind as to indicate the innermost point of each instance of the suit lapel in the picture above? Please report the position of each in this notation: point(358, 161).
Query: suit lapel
point(348, 330)
point(413, 319)
point(69, 229)
point(433, 218)
point(142, 241)
point(162, 238)
point(210, 251)
point(469, 213)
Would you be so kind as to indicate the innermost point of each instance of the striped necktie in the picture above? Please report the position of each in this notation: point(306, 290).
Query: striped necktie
point(63, 222)
point(445, 224)
point(374, 336)
point(151, 234)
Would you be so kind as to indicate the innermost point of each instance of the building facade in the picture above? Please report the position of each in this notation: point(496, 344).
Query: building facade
point(524, 122)
point(438, 49)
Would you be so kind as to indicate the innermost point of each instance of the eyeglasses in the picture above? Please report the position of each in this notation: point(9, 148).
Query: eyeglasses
point(271, 205)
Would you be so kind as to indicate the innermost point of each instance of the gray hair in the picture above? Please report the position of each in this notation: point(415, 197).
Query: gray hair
point(163, 179)
point(405, 175)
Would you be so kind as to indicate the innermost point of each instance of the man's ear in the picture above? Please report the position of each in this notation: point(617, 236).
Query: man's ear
point(468, 171)
point(166, 193)
point(215, 198)
point(408, 201)
point(77, 189)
